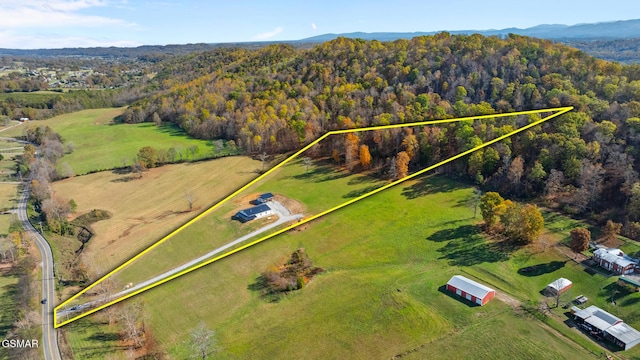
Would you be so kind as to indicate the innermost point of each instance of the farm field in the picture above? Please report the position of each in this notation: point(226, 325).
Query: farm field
point(143, 210)
point(386, 259)
point(100, 144)
point(331, 185)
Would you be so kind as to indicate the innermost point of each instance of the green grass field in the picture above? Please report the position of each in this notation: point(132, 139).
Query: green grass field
point(100, 144)
point(386, 259)
point(8, 286)
point(331, 185)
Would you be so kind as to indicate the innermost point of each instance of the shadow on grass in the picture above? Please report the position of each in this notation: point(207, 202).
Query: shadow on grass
point(126, 179)
point(614, 292)
point(541, 269)
point(466, 246)
point(260, 285)
point(103, 337)
point(443, 289)
point(360, 192)
point(631, 301)
point(429, 185)
point(455, 233)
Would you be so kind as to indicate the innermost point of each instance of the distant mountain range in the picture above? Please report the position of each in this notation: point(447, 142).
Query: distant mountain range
point(588, 37)
point(625, 29)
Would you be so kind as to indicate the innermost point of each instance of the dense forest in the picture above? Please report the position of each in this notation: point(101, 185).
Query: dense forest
point(278, 98)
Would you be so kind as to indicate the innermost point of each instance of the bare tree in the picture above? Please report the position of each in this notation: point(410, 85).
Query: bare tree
point(263, 157)
point(474, 201)
point(190, 197)
point(203, 342)
point(307, 163)
point(516, 169)
point(554, 183)
point(132, 319)
point(7, 250)
point(590, 180)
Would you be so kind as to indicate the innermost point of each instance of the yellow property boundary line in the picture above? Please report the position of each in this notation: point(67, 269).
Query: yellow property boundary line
point(560, 111)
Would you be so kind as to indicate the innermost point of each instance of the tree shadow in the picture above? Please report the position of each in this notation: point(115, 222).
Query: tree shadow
point(360, 192)
point(454, 233)
point(541, 269)
point(429, 185)
point(126, 179)
point(362, 179)
point(615, 291)
point(103, 337)
point(468, 247)
point(631, 301)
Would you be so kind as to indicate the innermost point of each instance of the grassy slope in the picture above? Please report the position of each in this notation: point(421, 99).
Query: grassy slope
point(386, 258)
point(100, 144)
point(8, 286)
point(140, 216)
point(331, 187)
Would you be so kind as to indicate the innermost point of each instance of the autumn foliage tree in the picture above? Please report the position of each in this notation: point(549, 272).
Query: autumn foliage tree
point(402, 164)
point(580, 238)
point(488, 206)
point(365, 157)
point(611, 230)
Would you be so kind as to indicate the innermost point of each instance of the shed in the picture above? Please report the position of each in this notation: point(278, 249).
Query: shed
point(470, 290)
point(264, 198)
point(623, 335)
point(253, 213)
point(559, 286)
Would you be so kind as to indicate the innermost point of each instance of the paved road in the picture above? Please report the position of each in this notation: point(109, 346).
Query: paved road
point(283, 217)
point(49, 342)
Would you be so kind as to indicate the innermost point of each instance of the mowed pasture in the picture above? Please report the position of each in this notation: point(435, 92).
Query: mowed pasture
point(386, 260)
point(331, 186)
point(101, 143)
point(145, 209)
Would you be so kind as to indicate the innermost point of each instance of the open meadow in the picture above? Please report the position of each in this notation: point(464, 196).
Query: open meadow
point(102, 144)
point(144, 209)
point(386, 260)
point(332, 186)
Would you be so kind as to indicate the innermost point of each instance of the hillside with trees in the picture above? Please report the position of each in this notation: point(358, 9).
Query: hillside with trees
point(278, 98)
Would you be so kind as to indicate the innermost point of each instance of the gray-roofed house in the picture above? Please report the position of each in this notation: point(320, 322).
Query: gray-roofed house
point(615, 261)
point(255, 212)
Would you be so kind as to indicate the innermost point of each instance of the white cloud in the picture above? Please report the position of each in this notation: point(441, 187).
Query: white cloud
point(52, 13)
point(268, 34)
point(313, 26)
point(11, 40)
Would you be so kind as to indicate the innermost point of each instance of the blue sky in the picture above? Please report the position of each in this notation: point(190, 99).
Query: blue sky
point(83, 23)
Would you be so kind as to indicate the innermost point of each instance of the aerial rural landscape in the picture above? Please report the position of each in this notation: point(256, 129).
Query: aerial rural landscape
point(337, 186)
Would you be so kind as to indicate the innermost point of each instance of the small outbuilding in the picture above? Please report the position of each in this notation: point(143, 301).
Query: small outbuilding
point(558, 287)
point(264, 198)
point(470, 290)
point(253, 213)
